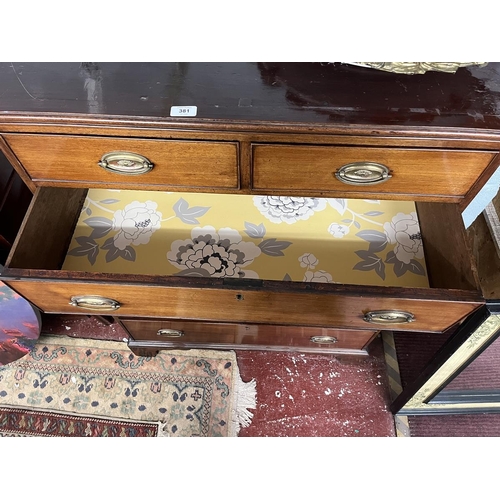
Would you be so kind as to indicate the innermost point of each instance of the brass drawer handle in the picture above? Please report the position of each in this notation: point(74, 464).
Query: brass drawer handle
point(389, 317)
point(363, 173)
point(324, 339)
point(167, 332)
point(94, 302)
point(123, 162)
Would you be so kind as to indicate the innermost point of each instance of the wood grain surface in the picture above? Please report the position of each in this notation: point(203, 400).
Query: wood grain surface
point(414, 172)
point(176, 163)
point(327, 310)
point(233, 333)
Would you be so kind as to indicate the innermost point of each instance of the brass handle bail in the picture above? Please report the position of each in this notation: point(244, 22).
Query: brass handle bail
point(363, 174)
point(168, 332)
point(389, 317)
point(324, 339)
point(125, 163)
point(94, 302)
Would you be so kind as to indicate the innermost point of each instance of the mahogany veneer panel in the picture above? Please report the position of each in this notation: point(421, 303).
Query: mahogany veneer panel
point(414, 172)
point(246, 305)
point(176, 163)
point(255, 335)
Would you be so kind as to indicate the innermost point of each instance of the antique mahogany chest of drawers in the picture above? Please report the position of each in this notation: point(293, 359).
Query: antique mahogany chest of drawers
point(295, 130)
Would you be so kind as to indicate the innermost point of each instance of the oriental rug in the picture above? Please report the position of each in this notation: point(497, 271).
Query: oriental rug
point(17, 422)
point(106, 390)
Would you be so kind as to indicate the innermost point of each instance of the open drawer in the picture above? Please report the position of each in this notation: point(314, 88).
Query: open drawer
point(35, 270)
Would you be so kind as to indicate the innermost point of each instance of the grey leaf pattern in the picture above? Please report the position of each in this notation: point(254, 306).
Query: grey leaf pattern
point(108, 244)
point(108, 201)
point(377, 239)
point(370, 262)
point(112, 254)
point(188, 214)
point(391, 258)
point(400, 268)
point(88, 247)
point(255, 231)
point(273, 247)
point(101, 226)
point(416, 268)
point(128, 253)
point(372, 235)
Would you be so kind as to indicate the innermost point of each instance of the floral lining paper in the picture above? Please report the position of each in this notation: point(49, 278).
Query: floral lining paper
point(267, 237)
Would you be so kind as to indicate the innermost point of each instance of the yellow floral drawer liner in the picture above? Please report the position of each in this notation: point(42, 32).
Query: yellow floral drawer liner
point(268, 237)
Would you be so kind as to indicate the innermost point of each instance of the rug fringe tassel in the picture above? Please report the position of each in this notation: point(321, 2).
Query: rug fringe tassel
point(242, 417)
point(162, 430)
point(247, 398)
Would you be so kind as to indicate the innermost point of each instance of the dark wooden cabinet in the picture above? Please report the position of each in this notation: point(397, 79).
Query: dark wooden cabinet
point(252, 134)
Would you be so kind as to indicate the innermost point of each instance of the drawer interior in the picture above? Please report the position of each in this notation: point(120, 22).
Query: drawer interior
point(365, 242)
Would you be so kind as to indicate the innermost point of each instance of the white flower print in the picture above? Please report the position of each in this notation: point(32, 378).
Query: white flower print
point(404, 231)
point(338, 230)
point(136, 223)
point(339, 204)
point(288, 209)
point(218, 253)
point(308, 260)
point(318, 277)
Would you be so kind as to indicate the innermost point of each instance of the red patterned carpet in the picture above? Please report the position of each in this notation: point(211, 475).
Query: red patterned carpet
point(297, 394)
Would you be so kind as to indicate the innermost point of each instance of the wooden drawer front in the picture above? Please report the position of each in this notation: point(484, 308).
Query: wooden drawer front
point(230, 333)
point(312, 169)
point(177, 164)
point(280, 307)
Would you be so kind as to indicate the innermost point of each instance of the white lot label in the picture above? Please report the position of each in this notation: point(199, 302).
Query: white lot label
point(183, 110)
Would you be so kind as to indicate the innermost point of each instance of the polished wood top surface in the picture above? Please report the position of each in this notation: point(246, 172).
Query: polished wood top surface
point(326, 95)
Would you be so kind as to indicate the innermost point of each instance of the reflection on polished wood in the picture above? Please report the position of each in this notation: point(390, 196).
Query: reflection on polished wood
point(256, 336)
point(275, 129)
point(285, 304)
point(323, 93)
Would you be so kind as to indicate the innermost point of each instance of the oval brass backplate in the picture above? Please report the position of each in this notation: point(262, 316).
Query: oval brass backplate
point(389, 317)
point(125, 163)
point(363, 173)
point(94, 302)
point(168, 332)
point(324, 339)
